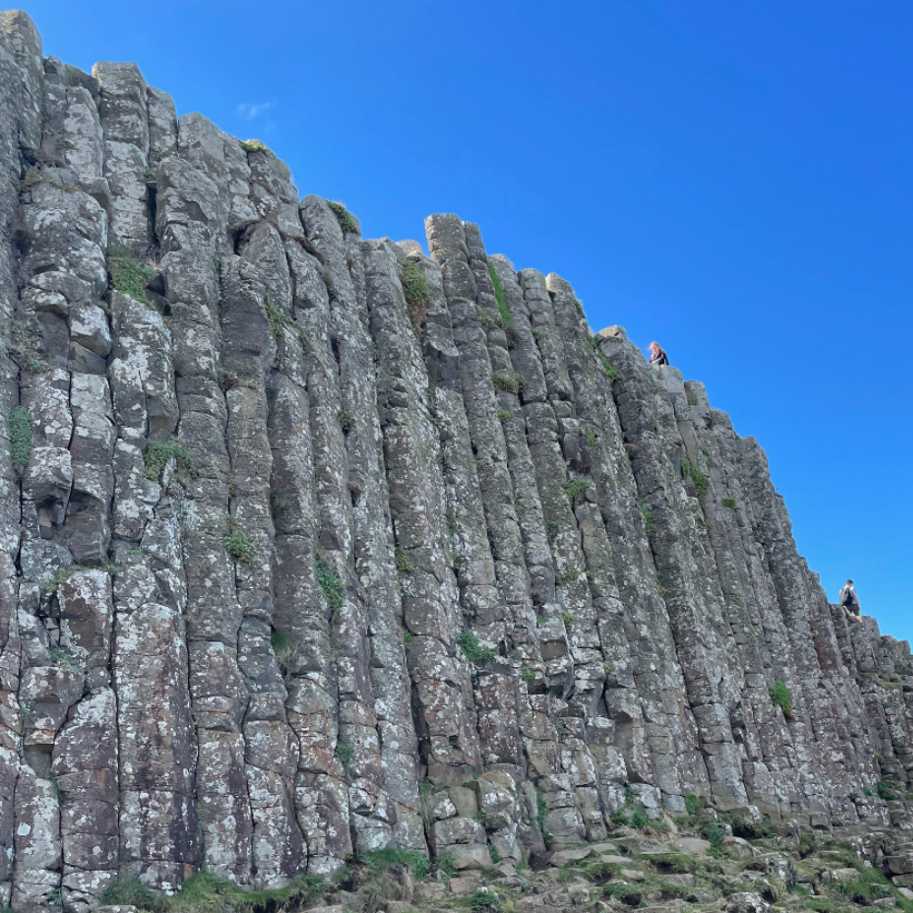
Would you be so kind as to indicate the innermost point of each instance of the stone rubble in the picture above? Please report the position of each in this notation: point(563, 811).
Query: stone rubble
point(296, 568)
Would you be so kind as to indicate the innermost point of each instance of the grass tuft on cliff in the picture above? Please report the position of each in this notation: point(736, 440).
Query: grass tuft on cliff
point(415, 289)
point(500, 297)
point(782, 697)
point(347, 222)
point(129, 274)
point(474, 650)
point(329, 582)
point(157, 455)
point(238, 544)
point(19, 429)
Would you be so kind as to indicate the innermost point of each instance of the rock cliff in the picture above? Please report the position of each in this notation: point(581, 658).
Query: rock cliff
point(312, 544)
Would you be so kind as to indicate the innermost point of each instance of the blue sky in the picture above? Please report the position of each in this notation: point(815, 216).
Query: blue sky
point(733, 179)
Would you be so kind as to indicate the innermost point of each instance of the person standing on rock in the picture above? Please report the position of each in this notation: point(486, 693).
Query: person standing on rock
point(850, 601)
point(657, 354)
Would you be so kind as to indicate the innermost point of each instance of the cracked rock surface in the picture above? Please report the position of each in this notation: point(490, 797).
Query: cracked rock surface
point(312, 545)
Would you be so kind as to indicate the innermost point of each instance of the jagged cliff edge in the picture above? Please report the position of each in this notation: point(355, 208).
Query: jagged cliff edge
point(292, 568)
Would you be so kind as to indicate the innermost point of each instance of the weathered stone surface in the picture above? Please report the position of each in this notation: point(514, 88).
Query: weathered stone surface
point(306, 560)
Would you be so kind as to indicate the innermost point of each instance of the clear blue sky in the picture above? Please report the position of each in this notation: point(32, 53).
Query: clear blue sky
point(733, 179)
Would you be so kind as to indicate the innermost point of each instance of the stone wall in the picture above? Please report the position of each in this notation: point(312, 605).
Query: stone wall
point(293, 568)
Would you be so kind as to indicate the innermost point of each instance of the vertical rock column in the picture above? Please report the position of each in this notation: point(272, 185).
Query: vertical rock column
point(683, 561)
point(644, 693)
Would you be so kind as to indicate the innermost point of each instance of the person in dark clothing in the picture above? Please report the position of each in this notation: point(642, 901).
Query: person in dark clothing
point(657, 354)
point(850, 601)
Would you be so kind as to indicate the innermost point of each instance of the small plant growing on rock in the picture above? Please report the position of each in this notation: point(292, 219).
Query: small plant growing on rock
point(158, 453)
point(392, 856)
point(415, 290)
point(647, 514)
point(638, 818)
point(694, 805)
point(714, 833)
point(347, 222)
point(276, 317)
point(238, 545)
point(129, 275)
point(505, 415)
point(329, 583)
point(887, 790)
point(575, 489)
point(506, 381)
point(698, 479)
point(500, 297)
point(730, 503)
point(473, 649)
point(608, 369)
point(282, 647)
point(19, 429)
point(132, 892)
point(346, 420)
point(344, 752)
point(485, 900)
point(254, 145)
point(403, 561)
point(782, 697)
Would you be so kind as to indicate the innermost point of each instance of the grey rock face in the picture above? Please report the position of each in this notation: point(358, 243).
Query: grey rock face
point(311, 545)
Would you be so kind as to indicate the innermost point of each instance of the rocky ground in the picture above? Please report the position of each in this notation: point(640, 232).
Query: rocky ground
point(702, 863)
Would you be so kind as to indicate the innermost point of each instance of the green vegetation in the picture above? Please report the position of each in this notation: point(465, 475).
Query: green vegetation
point(698, 479)
point(485, 900)
point(238, 544)
point(19, 429)
point(403, 561)
point(528, 674)
point(277, 318)
point(647, 514)
point(694, 805)
point(347, 222)
point(592, 438)
point(638, 818)
point(329, 582)
point(888, 791)
point(346, 420)
point(61, 575)
point(672, 863)
point(506, 381)
point(473, 649)
point(415, 289)
point(129, 274)
point(782, 697)
point(730, 503)
point(575, 489)
point(505, 415)
point(158, 453)
point(282, 647)
point(869, 885)
point(567, 618)
point(541, 813)
point(608, 369)
point(344, 752)
point(254, 145)
point(208, 893)
point(392, 857)
point(714, 833)
point(500, 297)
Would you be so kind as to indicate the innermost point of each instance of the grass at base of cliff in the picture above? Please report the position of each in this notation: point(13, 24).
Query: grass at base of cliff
point(208, 893)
